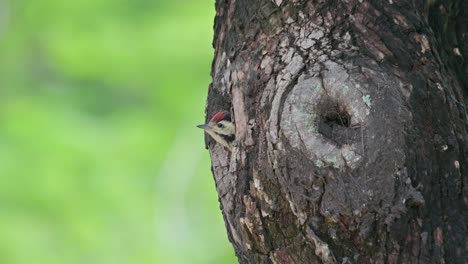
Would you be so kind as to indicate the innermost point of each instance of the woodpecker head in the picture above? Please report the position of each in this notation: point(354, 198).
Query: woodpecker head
point(221, 129)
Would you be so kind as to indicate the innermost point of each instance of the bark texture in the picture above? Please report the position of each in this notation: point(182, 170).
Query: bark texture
point(351, 130)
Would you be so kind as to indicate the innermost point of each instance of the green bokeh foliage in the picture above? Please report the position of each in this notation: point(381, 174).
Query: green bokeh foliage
point(100, 159)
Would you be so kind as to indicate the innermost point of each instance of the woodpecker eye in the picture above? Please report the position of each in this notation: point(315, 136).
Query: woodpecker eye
point(220, 125)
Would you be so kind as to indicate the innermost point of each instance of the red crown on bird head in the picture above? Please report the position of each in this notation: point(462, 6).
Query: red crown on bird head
point(221, 116)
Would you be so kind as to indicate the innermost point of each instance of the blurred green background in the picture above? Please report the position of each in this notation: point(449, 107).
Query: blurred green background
point(100, 159)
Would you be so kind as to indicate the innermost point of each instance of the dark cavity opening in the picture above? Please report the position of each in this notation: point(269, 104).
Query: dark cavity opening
point(337, 118)
point(335, 122)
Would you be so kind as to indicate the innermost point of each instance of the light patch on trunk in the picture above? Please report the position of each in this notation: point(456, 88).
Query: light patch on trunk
point(277, 2)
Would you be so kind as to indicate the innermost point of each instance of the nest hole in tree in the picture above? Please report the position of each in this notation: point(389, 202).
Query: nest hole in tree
point(334, 113)
point(336, 118)
point(335, 122)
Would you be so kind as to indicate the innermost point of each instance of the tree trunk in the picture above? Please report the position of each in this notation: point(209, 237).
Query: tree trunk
point(351, 131)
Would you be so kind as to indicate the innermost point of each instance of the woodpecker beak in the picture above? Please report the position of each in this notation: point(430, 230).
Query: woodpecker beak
point(204, 126)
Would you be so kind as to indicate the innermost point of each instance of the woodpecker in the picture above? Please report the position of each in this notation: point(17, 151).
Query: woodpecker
point(221, 129)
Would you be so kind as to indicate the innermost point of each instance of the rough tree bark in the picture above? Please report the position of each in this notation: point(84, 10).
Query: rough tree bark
point(351, 130)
